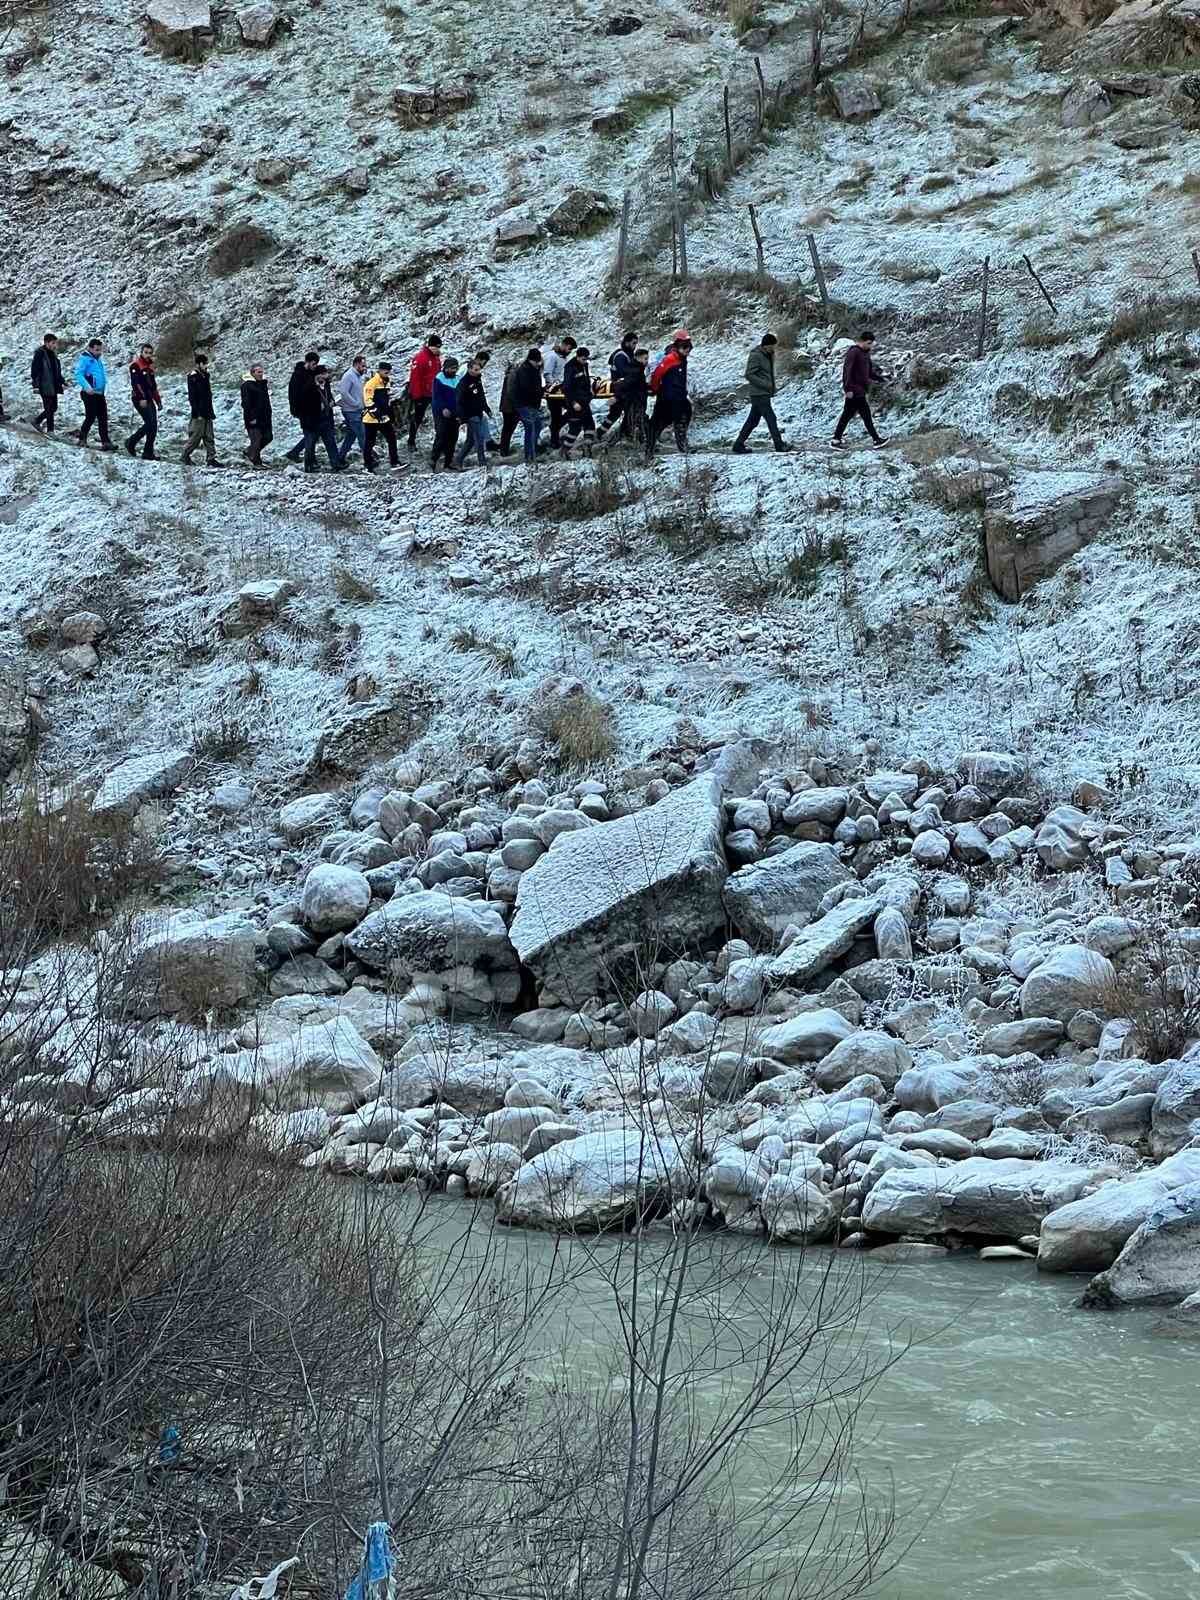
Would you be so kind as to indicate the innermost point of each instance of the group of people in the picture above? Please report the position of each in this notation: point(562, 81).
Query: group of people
point(583, 410)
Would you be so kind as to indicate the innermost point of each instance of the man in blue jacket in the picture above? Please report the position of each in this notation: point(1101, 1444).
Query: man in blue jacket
point(92, 379)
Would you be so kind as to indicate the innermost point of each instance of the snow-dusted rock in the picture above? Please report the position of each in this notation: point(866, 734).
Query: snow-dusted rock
point(820, 943)
point(878, 1054)
point(994, 771)
point(191, 967)
point(595, 1181)
point(657, 872)
point(432, 933)
point(1008, 1198)
point(334, 898)
point(1088, 1234)
point(794, 1210)
point(808, 1037)
point(311, 813)
point(1176, 1114)
point(328, 1064)
point(1065, 982)
point(142, 778)
point(785, 889)
point(1160, 1262)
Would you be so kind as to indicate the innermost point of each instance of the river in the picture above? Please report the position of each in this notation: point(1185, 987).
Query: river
point(1053, 1451)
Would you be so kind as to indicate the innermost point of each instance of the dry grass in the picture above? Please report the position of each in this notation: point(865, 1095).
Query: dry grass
point(243, 246)
point(64, 870)
point(353, 589)
point(179, 338)
point(909, 272)
point(1157, 987)
point(580, 725)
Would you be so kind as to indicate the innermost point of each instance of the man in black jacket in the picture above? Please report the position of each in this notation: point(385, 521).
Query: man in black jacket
point(326, 426)
point(200, 405)
point(525, 392)
point(577, 394)
point(256, 412)
point(629, 403)
point(303, 401)
point(45, 374)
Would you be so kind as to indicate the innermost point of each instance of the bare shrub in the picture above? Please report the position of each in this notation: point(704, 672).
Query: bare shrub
point(909, 272)
point(690, 524)
point(63, 868)
point(578, 496)
point(348, 586)
point(805, 566)
point(1157, 987)
point(242, 246)
point(743, 15)
point(1021, 1081)
point(178, 338)
point(954, 58)
point(223, 736)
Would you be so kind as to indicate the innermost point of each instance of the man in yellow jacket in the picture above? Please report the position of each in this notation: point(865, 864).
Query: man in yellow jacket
point(377, 415)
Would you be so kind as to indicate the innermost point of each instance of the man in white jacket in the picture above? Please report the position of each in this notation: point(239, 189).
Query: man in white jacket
point(350, 399)
point(554, 363)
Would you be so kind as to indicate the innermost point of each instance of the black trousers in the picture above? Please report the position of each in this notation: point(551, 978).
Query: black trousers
point(419, 408)
point(95, 409)
point(372, 431)
point(508, 427)
point(147, 431)
point(666, 417)
point(444, 441)
point(48, 411)
point(856, 406)
point(761, 411)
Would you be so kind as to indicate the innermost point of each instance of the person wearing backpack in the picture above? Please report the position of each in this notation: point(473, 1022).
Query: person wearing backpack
point(760, 376)
point(423, 371)
point(46, 376)
point(669, 386)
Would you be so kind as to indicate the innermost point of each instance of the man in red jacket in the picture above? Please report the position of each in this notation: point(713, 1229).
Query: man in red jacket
point(859, 372)
point(147, 402)
point(424, 368)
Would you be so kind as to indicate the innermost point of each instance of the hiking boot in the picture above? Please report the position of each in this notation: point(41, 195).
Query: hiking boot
point(37, 423)
point(782, 448)
point(837, 444)
point(312, 468)
point(105, 449)
point(739, 450)
point(130, 448)
point(148, 455)
point(215, 463)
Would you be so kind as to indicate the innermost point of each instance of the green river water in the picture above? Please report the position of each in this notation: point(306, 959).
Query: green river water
point(1053, 1451)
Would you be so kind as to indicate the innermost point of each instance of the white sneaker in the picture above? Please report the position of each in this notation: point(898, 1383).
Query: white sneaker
point(879, 444)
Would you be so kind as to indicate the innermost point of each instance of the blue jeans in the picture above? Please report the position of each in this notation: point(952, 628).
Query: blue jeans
point(326, 434)
point(531, 421)
point(355, 433)
point(477, 435)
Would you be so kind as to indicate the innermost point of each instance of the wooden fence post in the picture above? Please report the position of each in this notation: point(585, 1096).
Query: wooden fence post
point(679, 267)
point(623, 239)
point(762, 95)
point(820, 272)
point(818, 32)
point(1046, 292)
point(1196, 263)
point(983, 299)
point(758, 245)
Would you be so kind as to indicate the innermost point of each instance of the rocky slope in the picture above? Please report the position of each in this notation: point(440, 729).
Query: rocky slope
point(485, 676)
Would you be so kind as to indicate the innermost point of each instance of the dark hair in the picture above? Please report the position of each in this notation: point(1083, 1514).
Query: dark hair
point(482, 355)
point(582, 353)
point(385, 366)
point(358, 357)
point(312, 355)
point(200, 356)
point(628, 335)
point(48, 336)
point(435, 338)
point(534, 355)
point(91, 342)
point(567, 339)
point(769, 338)
point(867, 334)
point(146, 346)
point(641, 351)
point(450, 361)
point(321, 368)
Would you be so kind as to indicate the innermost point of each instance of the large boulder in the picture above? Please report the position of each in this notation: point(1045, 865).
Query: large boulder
point(328, 1064)
point(978, 1195)
point(1160, 1264)
point(179, 27)
point(472, 1086)
point(940, 1083)
point(1042, 521)
point(430, 935)
point(180, 967)
point(601, 893)
point(596, 1181)
point(1088, 1234)
point(142, 778)
point(808, 1037)
point(765, 897)
point(878, 1054)
point(993, 771)
point(1176, 1108)
point(794, 1210)
point(1067, 981)
point(334, 898)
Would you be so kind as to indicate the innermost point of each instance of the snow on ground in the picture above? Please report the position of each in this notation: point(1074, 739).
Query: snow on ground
point(834, 601)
